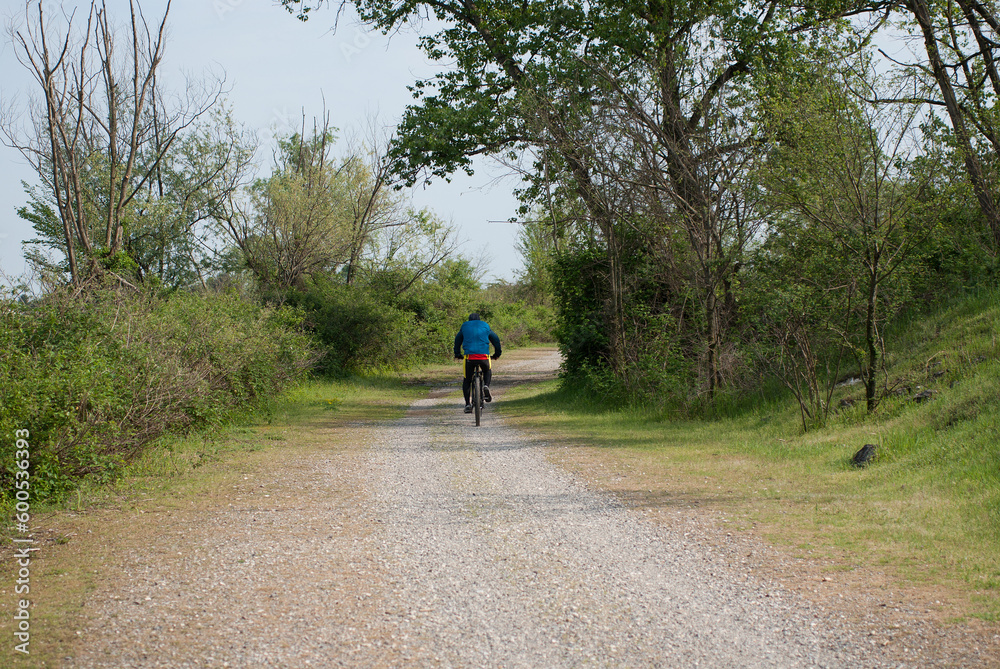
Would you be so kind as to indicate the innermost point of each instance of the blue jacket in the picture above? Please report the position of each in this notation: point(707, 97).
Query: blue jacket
point(475, 337)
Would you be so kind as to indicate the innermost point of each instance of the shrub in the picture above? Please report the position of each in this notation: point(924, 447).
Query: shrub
point(354, 329)
point(361, 327)
point(96, 378)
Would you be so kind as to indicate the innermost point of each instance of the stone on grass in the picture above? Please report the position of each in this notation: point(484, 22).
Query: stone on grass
point(864, 456)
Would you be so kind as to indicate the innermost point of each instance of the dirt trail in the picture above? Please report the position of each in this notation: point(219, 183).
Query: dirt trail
point(428, 542)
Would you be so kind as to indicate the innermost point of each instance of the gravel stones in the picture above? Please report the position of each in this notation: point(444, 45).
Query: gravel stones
point(499, 559)
point(428, 542)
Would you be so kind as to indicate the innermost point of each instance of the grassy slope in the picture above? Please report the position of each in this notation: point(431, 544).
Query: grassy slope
point(928, 511)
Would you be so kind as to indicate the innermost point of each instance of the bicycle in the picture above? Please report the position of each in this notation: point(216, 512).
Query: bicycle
point(478, 400)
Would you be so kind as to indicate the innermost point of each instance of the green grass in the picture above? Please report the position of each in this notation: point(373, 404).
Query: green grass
point(928, 509)
point(354, 401)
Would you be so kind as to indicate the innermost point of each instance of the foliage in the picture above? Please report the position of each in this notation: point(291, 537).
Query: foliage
point(658, 369)
point(841, 171)
point(635, 128)
point(372, 325)
point(798, 306)
point(95, 379)
point(101, 136)
point(929, 508)
point(354, 329)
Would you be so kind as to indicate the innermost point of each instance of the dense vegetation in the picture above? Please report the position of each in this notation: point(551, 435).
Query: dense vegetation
point(927, 510)
point(95, 378)
point(720, 197)
point(728, 192)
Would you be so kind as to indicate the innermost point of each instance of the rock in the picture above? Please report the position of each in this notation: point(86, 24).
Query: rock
point(924, 395)
point(847, 403)
point(864, 456)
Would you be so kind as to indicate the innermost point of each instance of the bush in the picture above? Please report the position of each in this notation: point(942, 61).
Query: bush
point(516, 320)
point(363, 327)
point(96, 378)
point(354, 329)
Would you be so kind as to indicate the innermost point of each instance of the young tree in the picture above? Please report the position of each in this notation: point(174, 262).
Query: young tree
point(375, 207)
point(294, 222)
point(799, 301)
point(318, 214)
point(843, 171)
point(399, 256)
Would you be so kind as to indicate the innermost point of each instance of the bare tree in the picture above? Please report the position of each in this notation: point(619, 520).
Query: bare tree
point(374, 206)
point(102, 127)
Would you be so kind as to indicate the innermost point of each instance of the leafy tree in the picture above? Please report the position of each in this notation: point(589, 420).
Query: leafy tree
point(639, 110)
point(166, 236)
point(298, 224)
point(843, 171)
point(961, 42)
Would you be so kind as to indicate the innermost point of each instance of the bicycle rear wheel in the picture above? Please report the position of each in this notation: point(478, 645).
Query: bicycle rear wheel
point(477, 395)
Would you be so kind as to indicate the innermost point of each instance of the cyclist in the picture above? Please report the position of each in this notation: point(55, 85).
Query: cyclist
point(475, 337)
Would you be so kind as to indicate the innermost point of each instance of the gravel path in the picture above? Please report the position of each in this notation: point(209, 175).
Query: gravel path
point(499, 559)
point(438, 544)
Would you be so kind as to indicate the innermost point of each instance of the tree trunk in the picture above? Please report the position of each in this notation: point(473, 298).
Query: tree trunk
point(617, 315)
point(871, 344)
point(712, 316)
point(973, 168)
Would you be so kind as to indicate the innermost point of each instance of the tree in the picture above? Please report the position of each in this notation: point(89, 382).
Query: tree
point(641, 110)
point(800, 302)
point(294, 222)
point(374, 206)
point(401, 255)
point(842, 169)
point(961, 39)
point(167, 235)
point(103, 128)
point(316, 214)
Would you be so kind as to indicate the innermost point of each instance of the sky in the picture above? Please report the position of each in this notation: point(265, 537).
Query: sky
point(275, 68)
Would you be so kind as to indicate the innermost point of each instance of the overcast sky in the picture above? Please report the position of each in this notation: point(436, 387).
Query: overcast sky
point(274, 67)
